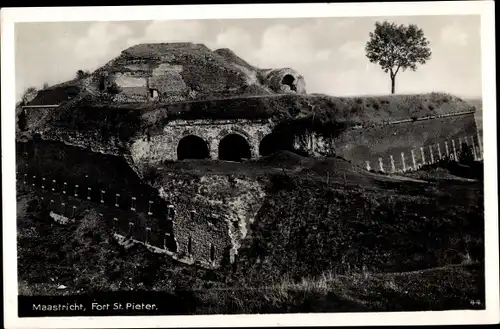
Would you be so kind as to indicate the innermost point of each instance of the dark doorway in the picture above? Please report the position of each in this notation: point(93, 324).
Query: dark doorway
point(169, 242)
point(153, 93)
point(212, 253)
point(288, 80)
point(234, 147)
point(192, 147)
point(190, 246)
point(273, 143)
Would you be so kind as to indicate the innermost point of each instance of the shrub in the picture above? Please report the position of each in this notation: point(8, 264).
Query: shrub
point(466, 156)
point(80, 74)
point(282, 182)
point(113, 88)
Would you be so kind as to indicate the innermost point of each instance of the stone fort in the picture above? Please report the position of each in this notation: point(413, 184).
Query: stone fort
point(92, 142)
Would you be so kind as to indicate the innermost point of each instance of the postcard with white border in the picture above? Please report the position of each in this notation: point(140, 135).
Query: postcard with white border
point(250, 165)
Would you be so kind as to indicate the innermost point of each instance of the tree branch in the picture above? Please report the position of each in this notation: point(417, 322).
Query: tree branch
point(397, 70)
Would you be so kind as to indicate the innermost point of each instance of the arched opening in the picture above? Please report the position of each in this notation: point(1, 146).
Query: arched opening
point(192, 147)
point(153, 93)
point(289, 81)
point(273, 143)
point(234, 147)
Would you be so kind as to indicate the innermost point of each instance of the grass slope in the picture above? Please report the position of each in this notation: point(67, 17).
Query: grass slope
point(116, 124)
point(379, 245)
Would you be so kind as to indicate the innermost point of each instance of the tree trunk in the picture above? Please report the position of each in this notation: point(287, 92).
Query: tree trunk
point(393, 84)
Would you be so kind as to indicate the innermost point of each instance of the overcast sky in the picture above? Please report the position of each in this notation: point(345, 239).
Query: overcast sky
point(328, 52)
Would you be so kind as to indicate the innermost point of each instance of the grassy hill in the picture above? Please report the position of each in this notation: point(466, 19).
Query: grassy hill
point(320, 242)
point(110, 124)
point(478, 105)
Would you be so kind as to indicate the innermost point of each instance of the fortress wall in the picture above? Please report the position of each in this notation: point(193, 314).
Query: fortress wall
point(61, 161)
point(39, 163)
point(127, 80)
point(369, 144)
point(204, 231)
point(150, 149)
point(223, 208)
point(167, 79)
point(133, 86)
point(104, 131)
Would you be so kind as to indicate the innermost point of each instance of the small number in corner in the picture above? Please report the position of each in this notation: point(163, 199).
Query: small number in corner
point(475, 302)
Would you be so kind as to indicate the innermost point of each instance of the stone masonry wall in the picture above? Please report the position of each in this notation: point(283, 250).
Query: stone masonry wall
point(364, 144)
point(115, 196)
point(164, 147)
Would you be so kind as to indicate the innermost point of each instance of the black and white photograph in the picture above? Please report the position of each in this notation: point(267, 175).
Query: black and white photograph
point(339, 161)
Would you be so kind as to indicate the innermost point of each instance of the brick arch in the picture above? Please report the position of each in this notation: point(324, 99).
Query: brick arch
point(191, 146)
point(234, 147)
point(224, 132)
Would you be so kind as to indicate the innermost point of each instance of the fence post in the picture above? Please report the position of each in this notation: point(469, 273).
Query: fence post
point(447, 149)
point(423, 155)
point(439, 151)
point(473, 146)
point(73, 212)
point(393, 166)
point(132, 207)
point(53, 185)
point(115, 224)
point(50, 205)
point(24, 179)
point(65, 186)
point(117, 200)
point(43, 183)
point(131, 226)
point(431, 153)
point(454, 150)
point(76, 190)
point(63, 207)
point(148, 232)
point(150, 203)
point(381, 164)
point(403, 161)
point(368, 165)
point(34, 179)
point(89, 190)
point(413, 159)
point(102, 196)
